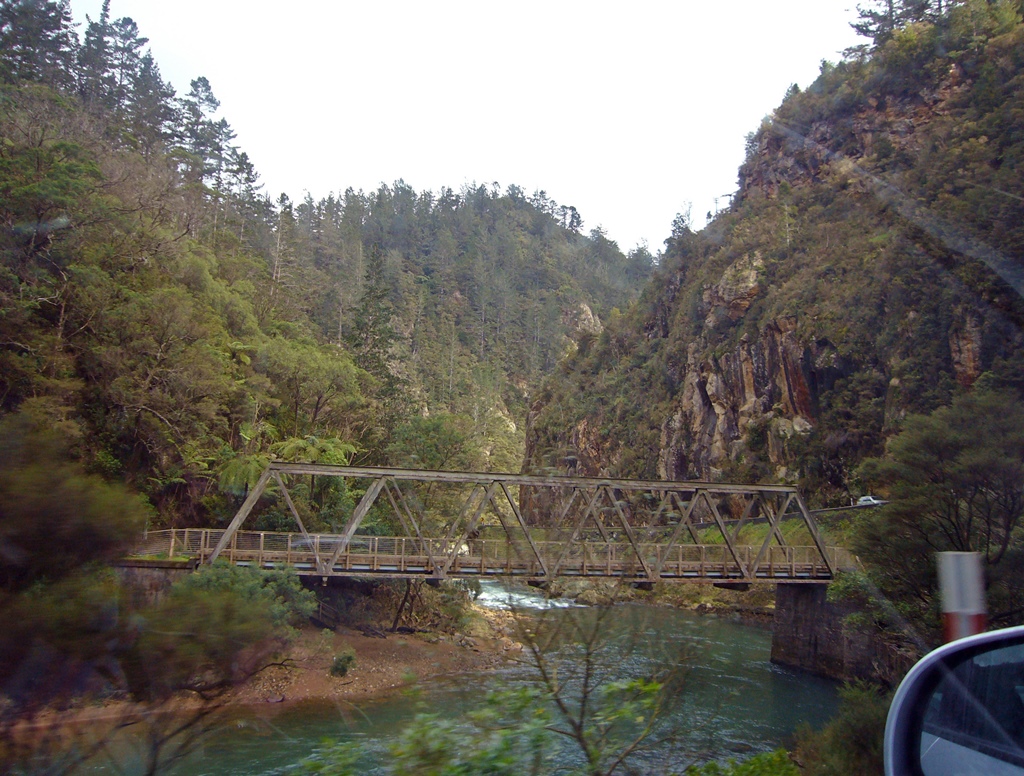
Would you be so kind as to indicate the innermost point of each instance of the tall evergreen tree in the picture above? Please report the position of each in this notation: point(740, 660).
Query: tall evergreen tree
point(198, 127)
point(881, 18)
point(37, 42)
point(125, 61)
point(94, 59)
point(372, 334)
point(245, 186)
point(150, 112)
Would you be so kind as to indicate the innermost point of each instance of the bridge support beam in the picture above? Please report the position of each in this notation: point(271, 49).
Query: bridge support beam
point(806, 633)
point(810, 632)
point(243, 512)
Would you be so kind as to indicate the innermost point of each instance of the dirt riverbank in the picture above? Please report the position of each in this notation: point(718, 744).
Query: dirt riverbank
point(383, 663)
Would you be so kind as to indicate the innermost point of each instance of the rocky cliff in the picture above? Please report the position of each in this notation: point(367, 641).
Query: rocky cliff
point(866, 270)
point(772, 380)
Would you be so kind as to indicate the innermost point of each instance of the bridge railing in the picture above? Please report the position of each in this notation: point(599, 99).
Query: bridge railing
point(333, 554)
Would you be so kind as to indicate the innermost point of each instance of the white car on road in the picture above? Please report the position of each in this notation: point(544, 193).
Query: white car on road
point(870, 501)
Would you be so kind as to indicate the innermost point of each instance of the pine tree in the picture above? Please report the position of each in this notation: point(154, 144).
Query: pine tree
point(882, 18)
point(125, 61)
point(37, 42)
point(245, 187)
point(372, 335)
point(198, 128)
point(150, 112)
point(94, 59)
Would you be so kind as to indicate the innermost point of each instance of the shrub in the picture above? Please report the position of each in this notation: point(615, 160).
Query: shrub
point(343, 661)
point(852, 742)
point(775, 763)
point(279, 592)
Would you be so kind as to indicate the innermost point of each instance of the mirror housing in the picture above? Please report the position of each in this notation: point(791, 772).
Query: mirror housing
point(960, 710)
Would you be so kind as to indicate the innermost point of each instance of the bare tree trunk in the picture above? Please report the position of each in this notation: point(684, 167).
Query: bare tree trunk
point(401, 606)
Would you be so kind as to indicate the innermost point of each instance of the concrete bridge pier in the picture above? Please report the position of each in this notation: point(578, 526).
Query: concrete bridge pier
point(812, 633)
point(808, 632)
point(147, 581)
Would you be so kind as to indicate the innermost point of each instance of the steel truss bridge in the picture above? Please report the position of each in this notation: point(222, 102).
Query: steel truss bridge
point(445, 525)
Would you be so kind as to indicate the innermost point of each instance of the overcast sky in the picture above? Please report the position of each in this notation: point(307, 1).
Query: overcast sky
point(628, 111)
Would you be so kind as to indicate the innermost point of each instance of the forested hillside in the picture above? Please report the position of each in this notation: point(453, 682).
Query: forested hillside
point(870, 267)
point(183, 326)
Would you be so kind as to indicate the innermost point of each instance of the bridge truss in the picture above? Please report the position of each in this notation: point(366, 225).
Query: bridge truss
point(466, 524)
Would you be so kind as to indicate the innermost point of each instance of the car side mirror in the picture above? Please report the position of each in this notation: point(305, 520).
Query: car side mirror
point(960, 710)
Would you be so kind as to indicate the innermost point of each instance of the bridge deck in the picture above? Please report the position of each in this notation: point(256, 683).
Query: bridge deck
point(411, 557)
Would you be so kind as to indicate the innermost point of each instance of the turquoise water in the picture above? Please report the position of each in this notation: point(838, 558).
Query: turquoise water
point(731, 700)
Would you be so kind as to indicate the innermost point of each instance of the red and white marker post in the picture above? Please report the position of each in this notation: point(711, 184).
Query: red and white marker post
point(962, 587)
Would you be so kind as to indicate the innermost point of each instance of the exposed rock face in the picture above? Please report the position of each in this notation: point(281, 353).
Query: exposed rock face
point(730, 393)
point(843, 290)
point(965, 346)
point(580, 320)
point(591, 457)
point(734, 293)
point(794, 157)
point(774, 379)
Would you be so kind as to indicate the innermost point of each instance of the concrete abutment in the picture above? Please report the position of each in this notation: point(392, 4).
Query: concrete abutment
point(812, 633)
point(147, 581)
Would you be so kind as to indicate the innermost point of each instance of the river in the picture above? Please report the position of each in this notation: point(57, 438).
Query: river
point(731, 699)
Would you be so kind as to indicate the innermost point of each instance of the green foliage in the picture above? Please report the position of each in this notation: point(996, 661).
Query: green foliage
point(453, 606)
point(317, 386)
point(201, 639)
point(38, 41)
point(507, 736)
point(326, 500)
point(515, 732)
point(56, 634)
point(240, 473)
point(332, 759)
point(848, 586)
point(179, 329)
point(605, 715)
point(342, 662)
point(775, 763)
point(189, 325)
point(585, 704)
point(278, 593)
point(313, 449)
point(372, 335)
point(55, 520)
point(851, 744)
point(215, 628)
point(955, 481)
point(437, 442)
point(73, 631)
point(44, 182)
